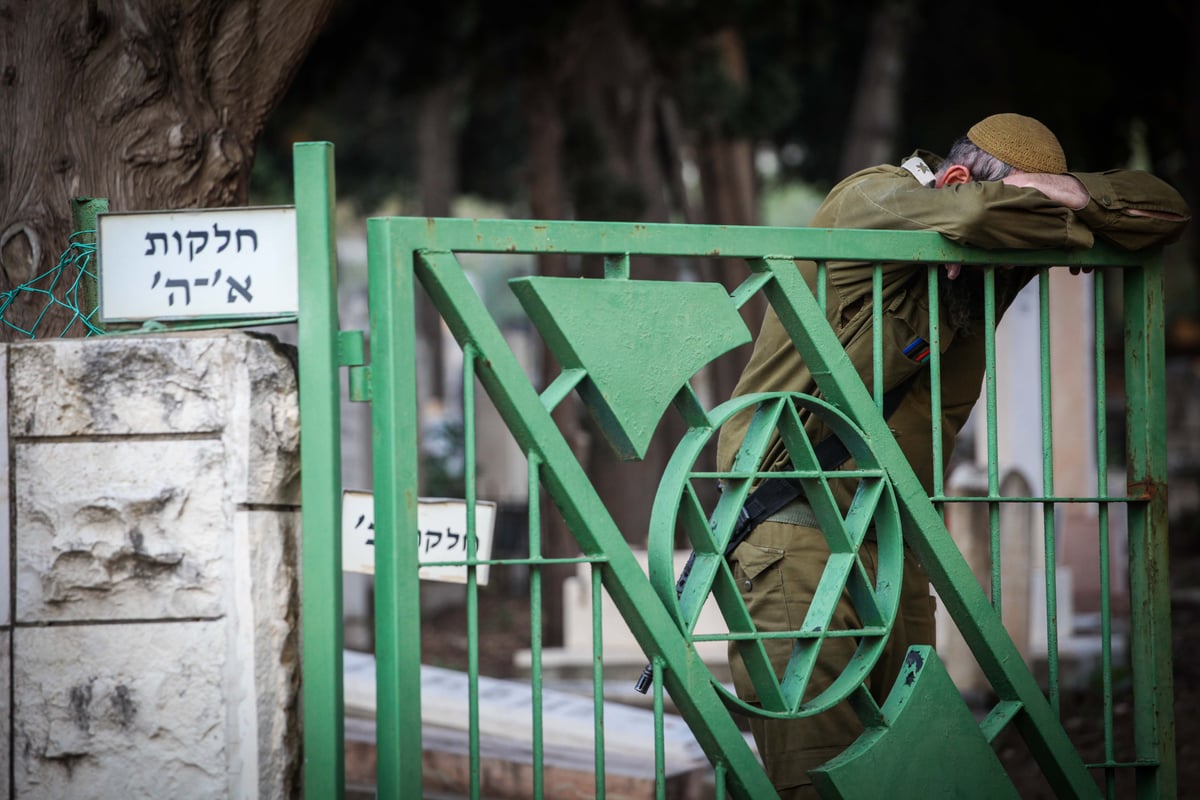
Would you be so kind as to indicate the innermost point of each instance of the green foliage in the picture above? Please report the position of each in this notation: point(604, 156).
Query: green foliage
point(442, 460)
point(492, 146)
point(600, 193)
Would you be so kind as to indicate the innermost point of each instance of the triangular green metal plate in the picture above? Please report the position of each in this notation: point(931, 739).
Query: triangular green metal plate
point(925, 722)
point(667, 331)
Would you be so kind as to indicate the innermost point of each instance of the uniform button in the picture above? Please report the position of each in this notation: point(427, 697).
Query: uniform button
point(1106, 201)
point(748, 585)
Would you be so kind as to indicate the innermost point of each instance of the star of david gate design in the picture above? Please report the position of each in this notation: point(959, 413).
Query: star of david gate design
point(673, 329)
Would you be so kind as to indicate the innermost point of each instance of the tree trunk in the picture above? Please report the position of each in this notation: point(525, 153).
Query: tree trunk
point(437, 174)
point(871, 138)
point(730, 189)
point(546, 201)
point(152, 105)
point(727, 164)
point(618, 95)
point(726, 170)
point(1189, 178)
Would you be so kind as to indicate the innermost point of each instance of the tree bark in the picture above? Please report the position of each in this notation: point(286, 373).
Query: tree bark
point(618, 94)
point(730, 191)
point(1189, 179)
point(438, 178)
point(547, 201)
point(152, 105)
point(871, 138)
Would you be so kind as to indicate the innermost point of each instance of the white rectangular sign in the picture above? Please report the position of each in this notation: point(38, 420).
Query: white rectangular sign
point(441, 536)
point(220, 262)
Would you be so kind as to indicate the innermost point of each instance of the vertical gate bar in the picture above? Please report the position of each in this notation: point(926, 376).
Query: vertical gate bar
point(1106, 664)
point(534, 466)
point(993, 435)
point(616, 267)
point(320, 473)
point(83, 222)
point(473, 755)
point(1150, 601)
point(660, 745)
point(598, 672)
point(1051, 576)
point(394, 442)
point(935, 379)
point(877, 331)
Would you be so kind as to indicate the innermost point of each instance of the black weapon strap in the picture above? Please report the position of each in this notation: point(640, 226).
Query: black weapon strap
point(772, 494)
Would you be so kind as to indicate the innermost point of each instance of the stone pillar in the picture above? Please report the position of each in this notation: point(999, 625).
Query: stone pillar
point(154, 634)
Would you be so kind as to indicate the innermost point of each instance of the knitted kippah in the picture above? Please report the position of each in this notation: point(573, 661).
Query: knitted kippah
point(1021, 142)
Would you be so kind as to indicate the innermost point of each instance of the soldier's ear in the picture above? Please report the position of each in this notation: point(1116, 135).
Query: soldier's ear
point(955, 174)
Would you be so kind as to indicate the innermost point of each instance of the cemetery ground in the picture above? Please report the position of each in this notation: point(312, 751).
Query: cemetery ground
point(504, 626)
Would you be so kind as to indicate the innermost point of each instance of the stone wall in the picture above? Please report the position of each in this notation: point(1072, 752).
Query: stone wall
point(152, 626)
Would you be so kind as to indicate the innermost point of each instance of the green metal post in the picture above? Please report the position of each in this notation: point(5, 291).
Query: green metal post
point(1048, 519)
point(84, 211)
point(320, 474)
point(1101, 438)
point(1150, 598)
point(535, 619)
point(394, 445)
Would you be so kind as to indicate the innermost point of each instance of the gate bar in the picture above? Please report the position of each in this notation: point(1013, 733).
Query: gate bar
point(394, 442)
point(1150, 597)
point(320, 474)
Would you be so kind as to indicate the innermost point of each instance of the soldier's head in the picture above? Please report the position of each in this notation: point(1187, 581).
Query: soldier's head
point(999, 145)
point(993, 149)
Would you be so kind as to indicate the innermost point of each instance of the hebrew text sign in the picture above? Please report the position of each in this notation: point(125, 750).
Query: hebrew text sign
point(441, 536)
point(224, 262)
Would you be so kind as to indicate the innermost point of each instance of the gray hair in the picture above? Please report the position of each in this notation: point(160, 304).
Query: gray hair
point(982, 165)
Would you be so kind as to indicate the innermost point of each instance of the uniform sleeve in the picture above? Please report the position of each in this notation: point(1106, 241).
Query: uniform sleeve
point(985, 214)
point(1120, 202)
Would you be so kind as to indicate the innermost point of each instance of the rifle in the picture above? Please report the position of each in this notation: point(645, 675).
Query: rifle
point(771, 495)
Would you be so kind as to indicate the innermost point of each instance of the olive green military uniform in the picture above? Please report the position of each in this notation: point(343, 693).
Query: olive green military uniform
point(781, 562)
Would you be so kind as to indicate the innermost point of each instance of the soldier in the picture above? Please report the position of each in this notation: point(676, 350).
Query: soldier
point(1004, 185)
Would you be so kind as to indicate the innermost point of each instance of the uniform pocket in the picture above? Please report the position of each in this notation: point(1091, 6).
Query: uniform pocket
point(758, 571)
point(751, 560)
point(906, 319)
point(906, 336)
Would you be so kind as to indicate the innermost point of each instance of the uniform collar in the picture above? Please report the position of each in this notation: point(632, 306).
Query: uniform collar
point(915, 165)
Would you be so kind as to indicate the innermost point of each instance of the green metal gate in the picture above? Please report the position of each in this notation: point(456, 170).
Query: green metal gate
point(633, 370)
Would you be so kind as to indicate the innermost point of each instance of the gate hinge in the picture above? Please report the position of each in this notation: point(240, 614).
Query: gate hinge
point(352, 354)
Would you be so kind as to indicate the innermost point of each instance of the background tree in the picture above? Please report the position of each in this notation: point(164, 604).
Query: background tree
point(660, 110)
point(149, 104)
point(636, 110)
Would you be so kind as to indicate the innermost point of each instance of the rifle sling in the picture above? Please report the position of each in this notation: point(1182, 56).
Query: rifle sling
point(773, 494)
